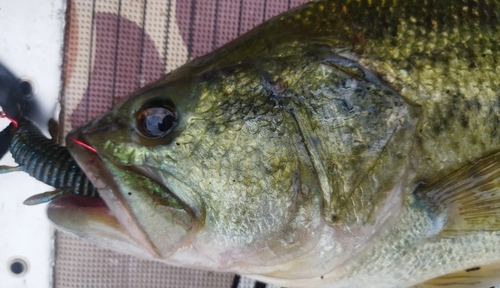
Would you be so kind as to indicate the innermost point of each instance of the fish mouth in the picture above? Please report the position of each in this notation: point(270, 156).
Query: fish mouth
point(106, 221)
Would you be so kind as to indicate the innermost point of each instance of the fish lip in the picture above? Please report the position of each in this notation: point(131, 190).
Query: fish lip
point(93, 166)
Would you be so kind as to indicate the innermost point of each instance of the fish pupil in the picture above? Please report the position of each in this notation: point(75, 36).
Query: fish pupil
point(156, 122)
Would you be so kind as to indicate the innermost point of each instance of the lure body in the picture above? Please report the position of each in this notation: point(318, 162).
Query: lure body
point(45, 160)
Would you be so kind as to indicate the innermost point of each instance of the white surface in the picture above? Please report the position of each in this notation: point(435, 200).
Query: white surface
point(31, 40)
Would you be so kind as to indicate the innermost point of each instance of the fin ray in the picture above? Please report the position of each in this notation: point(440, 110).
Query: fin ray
point(469, 197)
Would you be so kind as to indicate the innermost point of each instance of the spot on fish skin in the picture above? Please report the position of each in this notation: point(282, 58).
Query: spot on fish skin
point(472, 269)
point(333, 218)
point(464, 120)
point(473, 65)
point(345, 105)
point(476, 104)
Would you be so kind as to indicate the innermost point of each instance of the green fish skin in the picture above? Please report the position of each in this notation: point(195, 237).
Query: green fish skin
point(341, 144)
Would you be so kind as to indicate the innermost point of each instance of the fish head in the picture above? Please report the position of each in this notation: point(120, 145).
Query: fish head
point(199, 173)
point(258, 158)
point(237, 165)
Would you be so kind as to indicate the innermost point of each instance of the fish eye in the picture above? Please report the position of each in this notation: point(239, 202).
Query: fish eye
point(156, 119)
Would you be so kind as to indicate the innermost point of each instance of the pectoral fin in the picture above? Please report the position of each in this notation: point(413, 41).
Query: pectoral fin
point(468, 199)
point(474, 277)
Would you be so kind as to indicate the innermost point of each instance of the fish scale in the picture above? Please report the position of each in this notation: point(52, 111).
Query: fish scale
point(455, 43)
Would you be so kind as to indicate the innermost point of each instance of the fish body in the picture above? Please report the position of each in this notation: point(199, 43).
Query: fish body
point(341, 144)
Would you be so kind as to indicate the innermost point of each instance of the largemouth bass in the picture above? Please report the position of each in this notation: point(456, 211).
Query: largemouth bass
point(341, 144)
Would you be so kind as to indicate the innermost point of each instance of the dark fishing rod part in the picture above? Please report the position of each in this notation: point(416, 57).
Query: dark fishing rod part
point(17, 96)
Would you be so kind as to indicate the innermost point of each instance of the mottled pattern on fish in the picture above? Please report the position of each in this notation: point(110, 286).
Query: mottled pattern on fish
point(45, 160)
point(440, 56)
point(310, 151)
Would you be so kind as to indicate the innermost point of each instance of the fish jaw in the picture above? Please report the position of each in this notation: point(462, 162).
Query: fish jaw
point(92, 220)
point(120, 216)
point(116, 212)
point(133, 230)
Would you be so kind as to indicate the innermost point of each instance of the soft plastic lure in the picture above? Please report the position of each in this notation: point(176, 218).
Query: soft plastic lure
point(43, 159)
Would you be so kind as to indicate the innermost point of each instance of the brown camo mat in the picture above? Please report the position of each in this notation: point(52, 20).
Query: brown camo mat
point(113, 47)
